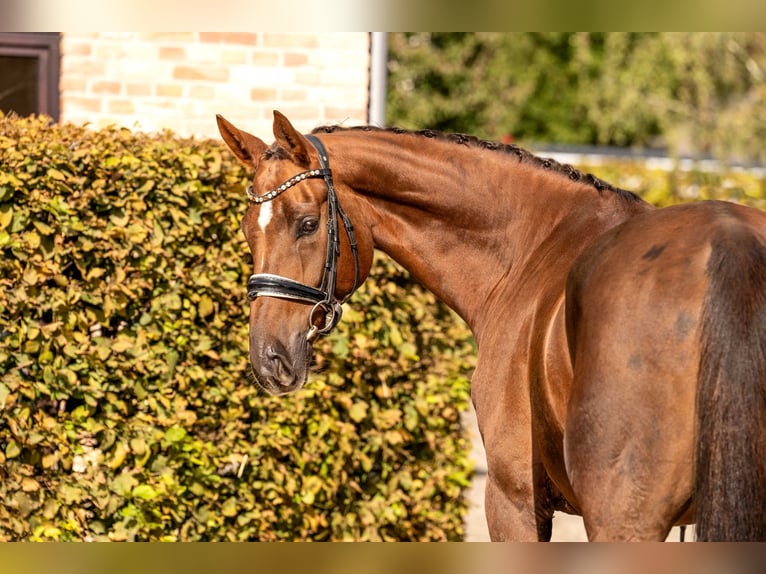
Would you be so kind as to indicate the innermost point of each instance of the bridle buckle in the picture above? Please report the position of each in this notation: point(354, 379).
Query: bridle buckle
point(332, 314)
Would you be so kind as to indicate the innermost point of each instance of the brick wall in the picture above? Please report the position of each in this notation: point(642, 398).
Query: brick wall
point(179, 81)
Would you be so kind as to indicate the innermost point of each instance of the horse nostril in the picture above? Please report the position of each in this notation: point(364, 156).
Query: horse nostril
point(271, 353)
point(281, 367)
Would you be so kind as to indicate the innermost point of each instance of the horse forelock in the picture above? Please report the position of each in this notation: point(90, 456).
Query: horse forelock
point(275, 152)
point(523, 155)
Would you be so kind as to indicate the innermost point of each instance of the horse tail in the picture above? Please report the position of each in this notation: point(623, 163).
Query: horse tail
point(730, 458)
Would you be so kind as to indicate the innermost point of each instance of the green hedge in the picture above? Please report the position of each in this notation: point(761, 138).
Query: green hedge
point(661, 187)
point(125, 408)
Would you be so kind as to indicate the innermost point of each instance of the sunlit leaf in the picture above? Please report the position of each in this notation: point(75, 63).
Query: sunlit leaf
point(12, 449)
point(358, 411)
point(144, 492)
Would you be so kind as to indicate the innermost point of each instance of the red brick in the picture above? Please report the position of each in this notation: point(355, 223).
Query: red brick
point(294, 95)
point(106, 51)
point(167, 37)
point(229, 38)
point(234, 56)
point(295, 59)
point(89, 68)
point(263, 94)
point(106, 87)
point(81, 104)
point(69, 84)
point(209, 73)
point(170, 90)
point(308, 77)
point(121, 107)
point(265, 59)
point(157, 104)
point(138, 89)
point(301, 112)
point(79, 49)
point(202, 93)
point(291, 40)
point(172, 53)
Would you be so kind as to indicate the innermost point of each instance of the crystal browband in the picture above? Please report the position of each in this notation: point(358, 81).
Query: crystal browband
point(269, 195)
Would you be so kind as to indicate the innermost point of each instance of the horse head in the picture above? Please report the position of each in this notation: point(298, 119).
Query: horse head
point(307, 256)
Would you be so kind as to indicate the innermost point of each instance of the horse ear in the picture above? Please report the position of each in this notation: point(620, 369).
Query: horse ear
point(291, 140)
point(246, 147)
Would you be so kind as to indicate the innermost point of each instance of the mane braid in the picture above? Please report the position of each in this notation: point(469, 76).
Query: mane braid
point(474, 142)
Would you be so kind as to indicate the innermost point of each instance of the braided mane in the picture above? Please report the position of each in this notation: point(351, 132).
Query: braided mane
point(474, 142)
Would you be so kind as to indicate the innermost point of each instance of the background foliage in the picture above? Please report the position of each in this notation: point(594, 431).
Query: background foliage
point(689, 92)
point(125, 410)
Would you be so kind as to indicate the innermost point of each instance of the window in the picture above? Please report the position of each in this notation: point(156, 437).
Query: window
point(29, 73)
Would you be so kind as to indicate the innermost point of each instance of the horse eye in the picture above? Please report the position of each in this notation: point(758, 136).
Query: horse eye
point(308, 226)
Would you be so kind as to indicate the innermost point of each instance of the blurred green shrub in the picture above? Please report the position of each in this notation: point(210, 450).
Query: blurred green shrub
point(125, 409)
point(692, 182)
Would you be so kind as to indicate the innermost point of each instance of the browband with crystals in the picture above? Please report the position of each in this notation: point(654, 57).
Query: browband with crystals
point(269, 195)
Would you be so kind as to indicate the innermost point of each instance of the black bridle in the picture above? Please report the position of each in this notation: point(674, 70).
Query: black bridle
point(323, 298)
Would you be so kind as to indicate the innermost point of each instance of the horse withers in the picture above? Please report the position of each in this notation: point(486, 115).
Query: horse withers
point(621, 369)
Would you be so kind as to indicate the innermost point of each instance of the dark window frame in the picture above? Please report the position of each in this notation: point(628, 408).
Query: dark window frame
point(45, 48)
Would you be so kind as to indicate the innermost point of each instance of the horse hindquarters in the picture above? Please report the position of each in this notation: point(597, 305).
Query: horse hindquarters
point(730, 489)
point(633, 305)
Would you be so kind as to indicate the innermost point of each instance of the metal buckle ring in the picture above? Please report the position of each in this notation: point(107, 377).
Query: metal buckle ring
point(332, 311)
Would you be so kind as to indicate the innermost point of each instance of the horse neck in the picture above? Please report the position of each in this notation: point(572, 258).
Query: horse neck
point(464, 221)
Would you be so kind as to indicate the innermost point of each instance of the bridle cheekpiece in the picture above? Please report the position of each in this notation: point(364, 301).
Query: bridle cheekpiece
point(322, 298)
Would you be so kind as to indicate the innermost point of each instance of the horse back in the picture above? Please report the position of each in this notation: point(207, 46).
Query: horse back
point(655, 265)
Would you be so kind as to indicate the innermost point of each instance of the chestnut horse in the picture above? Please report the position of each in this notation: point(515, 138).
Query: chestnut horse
point(621, 348)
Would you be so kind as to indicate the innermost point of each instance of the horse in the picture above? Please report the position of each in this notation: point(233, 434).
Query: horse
point(621, 347)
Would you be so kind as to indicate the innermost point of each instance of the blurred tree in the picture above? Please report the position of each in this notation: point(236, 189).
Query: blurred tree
point(717, 100)
point(690, 92)
point(485, 83)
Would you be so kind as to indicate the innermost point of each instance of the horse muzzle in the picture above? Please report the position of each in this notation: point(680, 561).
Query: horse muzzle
point(280, 369)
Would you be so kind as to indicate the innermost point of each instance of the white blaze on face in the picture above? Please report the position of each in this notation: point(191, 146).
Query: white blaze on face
point(264, 218)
